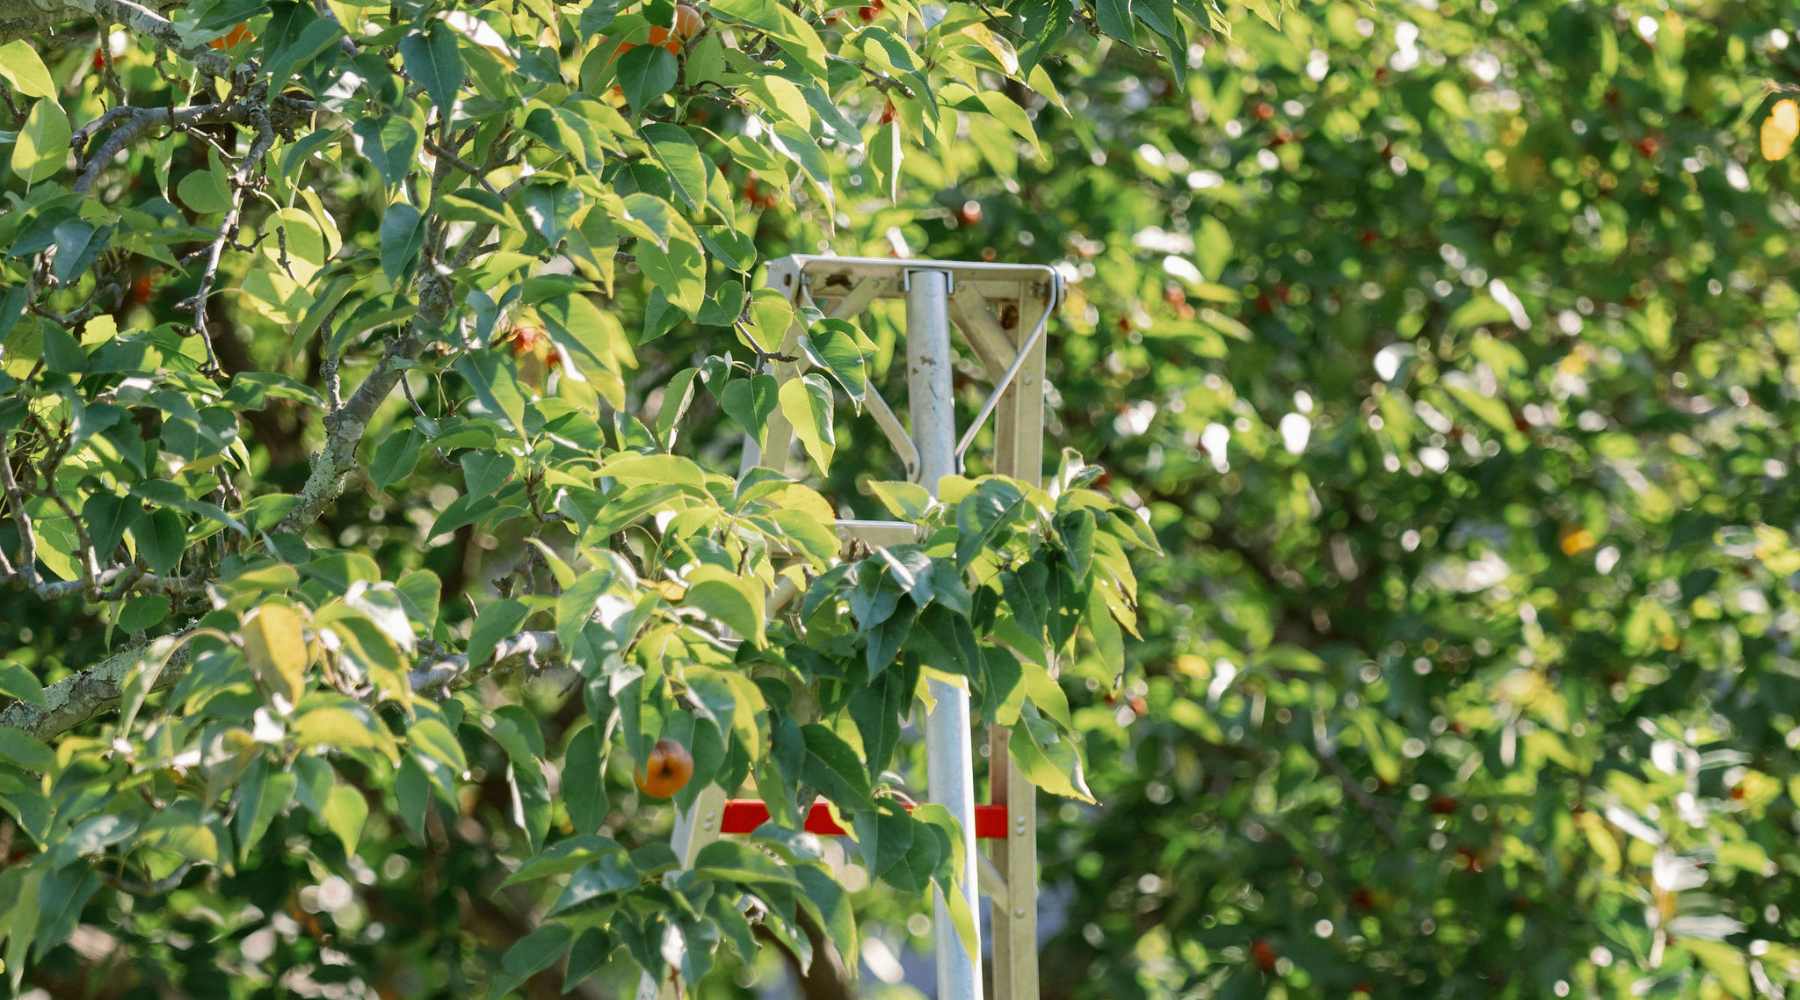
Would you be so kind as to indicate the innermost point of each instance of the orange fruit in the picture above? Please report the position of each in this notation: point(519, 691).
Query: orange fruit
point(233, 38)
point(688, 22)
point(666, 771)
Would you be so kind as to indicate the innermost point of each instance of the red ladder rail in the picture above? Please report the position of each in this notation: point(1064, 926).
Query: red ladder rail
point(745, 815)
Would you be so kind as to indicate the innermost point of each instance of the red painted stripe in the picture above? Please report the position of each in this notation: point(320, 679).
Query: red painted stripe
point(745, 815)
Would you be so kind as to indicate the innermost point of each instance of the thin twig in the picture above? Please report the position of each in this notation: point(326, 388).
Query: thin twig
point(240, 181)
point(461, 164)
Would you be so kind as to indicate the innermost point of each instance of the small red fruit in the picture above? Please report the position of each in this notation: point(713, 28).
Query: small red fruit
point(99, 58)
point(1443, 805)
point(525, 339)
point(1263, 111)
point(1362, 899)
point(667, 771)
point(887, 112)
point(1368, 237)
point(1648, 147)
point(1263, 954)
point(866, 13)
point(141, 289)
point(970, 213)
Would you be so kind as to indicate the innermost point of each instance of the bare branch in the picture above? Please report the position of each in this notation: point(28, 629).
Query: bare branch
point(128, 124)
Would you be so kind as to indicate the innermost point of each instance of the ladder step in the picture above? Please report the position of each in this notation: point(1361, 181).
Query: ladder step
point(745, 815)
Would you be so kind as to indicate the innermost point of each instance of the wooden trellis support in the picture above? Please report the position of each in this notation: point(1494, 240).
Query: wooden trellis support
point(1002, 312)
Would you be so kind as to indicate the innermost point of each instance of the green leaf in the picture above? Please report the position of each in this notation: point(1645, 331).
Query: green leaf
point(312, 42)
point(344, 814)
point(771, 317)
point(24, 71)
point(831, 344)
point(160, 539)
point(402, 237)
point(730, 599)
point(391, 143)
point(806, 403)
point(794, 142)
point(395, 457)
point(532, 953)
point(275, 650)
point(143, 611)
point(1048, 757)
point(584, 780)
point(678, 271)
point(496, 622)
point(1115, 19)
point(646, 73)
point(42, 145)
point(20, 748)
point(563, 857)
point(575, 605)
point(495, 379)
point(749, 402)
point(338, 727)
point(18, 682)
point(679, 155)
point(262, 795)
point(433, 61)
point(739, 862)
point(834, 769)
point(591, 340)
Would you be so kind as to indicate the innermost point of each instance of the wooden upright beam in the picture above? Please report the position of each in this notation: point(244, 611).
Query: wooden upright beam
point(1019, 453)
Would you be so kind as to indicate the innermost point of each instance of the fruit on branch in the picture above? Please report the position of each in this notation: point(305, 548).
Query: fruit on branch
point(525, 339)
point(1263, 954)
point(239, 34)
point(688, 22)
point(666, 771)
point(970, 213)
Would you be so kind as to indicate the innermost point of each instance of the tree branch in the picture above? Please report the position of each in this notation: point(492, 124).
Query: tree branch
point(94, 691)
point(74, 700)
point(345, 425)
point(146, 22)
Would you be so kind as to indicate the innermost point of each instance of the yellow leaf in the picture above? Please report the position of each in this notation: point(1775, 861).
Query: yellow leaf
point(275, 650)
point(1780, 129)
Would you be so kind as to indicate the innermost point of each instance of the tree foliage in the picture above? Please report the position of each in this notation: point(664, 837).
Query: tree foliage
point(369, 373)
point(374, 385)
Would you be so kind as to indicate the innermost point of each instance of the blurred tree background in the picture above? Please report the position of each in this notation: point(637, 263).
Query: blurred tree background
point(1450, 350)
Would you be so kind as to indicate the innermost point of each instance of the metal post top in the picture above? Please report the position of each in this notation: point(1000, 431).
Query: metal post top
point(785, 272)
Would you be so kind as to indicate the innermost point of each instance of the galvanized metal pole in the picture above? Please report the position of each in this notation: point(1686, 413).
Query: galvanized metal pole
point(950, 765)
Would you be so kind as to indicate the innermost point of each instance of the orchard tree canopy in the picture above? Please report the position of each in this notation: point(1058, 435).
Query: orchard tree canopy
point(373, 380)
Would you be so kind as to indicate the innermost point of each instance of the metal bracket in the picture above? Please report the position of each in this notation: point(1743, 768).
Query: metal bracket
point(949, 278)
